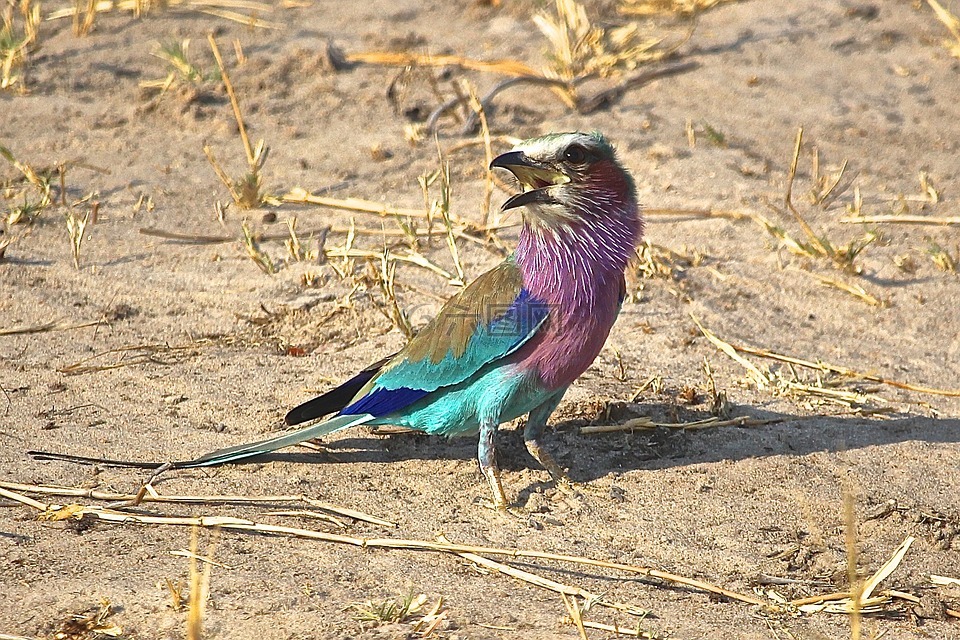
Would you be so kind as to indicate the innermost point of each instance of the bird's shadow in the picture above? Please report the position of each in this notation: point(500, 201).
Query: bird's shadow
point(592, 456)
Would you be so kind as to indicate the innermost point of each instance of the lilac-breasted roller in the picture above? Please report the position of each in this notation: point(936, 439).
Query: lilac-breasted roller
point(514, 340)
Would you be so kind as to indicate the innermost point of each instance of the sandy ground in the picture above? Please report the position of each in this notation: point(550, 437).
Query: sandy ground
point(870, 82)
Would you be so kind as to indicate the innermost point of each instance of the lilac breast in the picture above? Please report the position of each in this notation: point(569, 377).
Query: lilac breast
point(571, 339)
point(579, 274)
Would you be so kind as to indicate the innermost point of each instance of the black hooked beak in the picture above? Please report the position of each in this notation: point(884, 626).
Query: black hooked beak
point(526, 169)
point(512, 159)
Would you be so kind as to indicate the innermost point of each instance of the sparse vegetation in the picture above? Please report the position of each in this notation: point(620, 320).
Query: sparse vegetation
point(578, 51)
point(369, 285)
point(952, 23)
point(84, 12)
point(579, 48)
point(35, 192)
point(668, 7)
point(94, 622)
point(40, 181)
point(943, 259)
point(816, 245)
point(18, 36)
point(76, 229)
point(296, 252)
point(182, 69)
point(391, 610)
point(245, 191)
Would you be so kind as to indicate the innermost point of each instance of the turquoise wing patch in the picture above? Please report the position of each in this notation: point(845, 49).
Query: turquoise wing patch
point(507, 331)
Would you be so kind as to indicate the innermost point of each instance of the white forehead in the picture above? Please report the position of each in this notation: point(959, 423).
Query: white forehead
point(551, 144)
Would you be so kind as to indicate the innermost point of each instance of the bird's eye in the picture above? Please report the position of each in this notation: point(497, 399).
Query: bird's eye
point(575, 154)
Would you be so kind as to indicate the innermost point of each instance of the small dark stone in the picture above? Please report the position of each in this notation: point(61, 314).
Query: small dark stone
point(930, 607)
point(866, 12)
point(84, 524)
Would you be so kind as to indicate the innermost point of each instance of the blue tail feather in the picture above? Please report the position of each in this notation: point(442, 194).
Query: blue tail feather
point(249, 450)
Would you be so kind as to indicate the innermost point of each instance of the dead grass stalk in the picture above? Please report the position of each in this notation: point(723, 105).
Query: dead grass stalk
point(61, 512)
point(764, 379)
point(163, 354)
point(441, 206)
point(151, 496)
point(58, 325)
point(76, 229)
point(254, 252)
point(952, 23)
point(544, 583)
point(488, 183)
point(18, 36)
point(645, 423)
point(815, 246)
point(850, 544)
point(246, 191)
point(685, 8)
point(912, 219)
point(245, 12)
point(199, 584)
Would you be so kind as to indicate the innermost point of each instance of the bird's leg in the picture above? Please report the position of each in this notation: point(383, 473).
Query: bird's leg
point(531, 438)
point(532, 434)
point(546, 460)
point(487, 455)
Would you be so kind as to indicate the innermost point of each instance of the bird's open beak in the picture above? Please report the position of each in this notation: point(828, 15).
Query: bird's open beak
point(535, 178)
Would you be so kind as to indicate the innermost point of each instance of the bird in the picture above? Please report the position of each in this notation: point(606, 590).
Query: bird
point(513, 341)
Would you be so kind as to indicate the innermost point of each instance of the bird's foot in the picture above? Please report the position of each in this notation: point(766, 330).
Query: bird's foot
point(579, 488)
point(560, 478)
point(575, 495)
point(504, 508)
point(567, 486)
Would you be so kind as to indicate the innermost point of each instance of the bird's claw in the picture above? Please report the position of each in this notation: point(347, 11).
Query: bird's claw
point(504, 508)
point(566, 486)
point(579, 488)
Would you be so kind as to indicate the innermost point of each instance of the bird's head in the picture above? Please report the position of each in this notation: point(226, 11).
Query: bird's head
point(569, 178)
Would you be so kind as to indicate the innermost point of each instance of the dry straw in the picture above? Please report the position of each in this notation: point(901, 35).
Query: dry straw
point(861, 599)
point(153, 497)
point(952, 23)
point(544, 583)
point(16, 491)
point(76, 229)
point(59, 325)
point(18, 37)
point(668, 7)
point(245, 191)
point(847, 287)
point(645, 423)
point(578, 50)
point(163, 354)
point(944, 221)
point(764, 379)
point(245, 12)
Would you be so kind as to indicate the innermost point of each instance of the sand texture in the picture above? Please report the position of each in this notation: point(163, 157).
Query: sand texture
point(161, 349)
